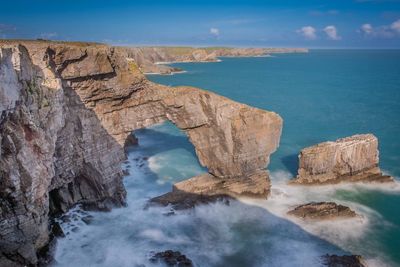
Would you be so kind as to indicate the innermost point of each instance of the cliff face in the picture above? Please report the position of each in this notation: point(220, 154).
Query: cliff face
point(148, 57)
point(49, 153)
point(66, 112)
point(349, 159)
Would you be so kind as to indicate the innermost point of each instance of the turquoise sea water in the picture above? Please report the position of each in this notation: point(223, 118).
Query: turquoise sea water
point(322, 95)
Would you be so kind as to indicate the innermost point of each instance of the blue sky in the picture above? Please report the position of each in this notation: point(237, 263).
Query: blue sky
point(313, 23)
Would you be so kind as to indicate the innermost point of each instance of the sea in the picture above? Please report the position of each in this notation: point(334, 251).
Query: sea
point(321, 95)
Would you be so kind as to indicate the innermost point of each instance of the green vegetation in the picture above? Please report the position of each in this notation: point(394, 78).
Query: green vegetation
point(33, 89)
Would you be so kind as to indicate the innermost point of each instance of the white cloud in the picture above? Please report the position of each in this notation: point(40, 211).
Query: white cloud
point(367, 29)
point(308, 32)
point(396, 26)
point(383, 31)
point(332, 32)
point(214, 32)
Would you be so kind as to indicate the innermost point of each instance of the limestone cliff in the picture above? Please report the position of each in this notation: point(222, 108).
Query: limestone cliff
point(148, 58)
point(66, 111)
point(349, 159)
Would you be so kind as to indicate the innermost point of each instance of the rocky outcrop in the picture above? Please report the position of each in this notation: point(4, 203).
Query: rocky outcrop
point(152, 59)
point(350, 159)
point(322, 211)
point(206, 188)
point(66, 112)
point(343, 261)
point(171, 258)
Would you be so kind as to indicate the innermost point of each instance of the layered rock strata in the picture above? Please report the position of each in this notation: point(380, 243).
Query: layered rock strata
point(149, 58)
point(350, 159)
point(322, 211)
point(66, 112)
point(206, 188)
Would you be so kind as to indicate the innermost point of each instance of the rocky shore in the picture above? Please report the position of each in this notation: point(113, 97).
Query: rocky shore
point(67, 110)
point(350, 159)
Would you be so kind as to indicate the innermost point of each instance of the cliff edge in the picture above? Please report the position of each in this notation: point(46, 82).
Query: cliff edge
point(66, 112)
point(153, 59)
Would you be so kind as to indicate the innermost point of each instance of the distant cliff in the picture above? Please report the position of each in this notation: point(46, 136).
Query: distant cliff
point(148, 58)
point(66, 111)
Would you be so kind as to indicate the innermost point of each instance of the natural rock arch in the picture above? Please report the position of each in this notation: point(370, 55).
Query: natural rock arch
point(65, 112)
point(231, 140)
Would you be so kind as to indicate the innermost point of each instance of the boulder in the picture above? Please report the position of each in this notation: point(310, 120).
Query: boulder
point(322, 211)
point(343, 261)
point(171, 258)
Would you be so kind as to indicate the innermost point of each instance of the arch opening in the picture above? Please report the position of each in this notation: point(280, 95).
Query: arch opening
point(164, 153)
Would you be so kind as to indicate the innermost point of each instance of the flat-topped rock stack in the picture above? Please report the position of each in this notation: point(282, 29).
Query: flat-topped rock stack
point(350, 159)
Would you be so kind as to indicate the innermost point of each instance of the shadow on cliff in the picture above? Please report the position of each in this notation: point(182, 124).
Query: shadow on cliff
point(291, 162)
point(169, 141)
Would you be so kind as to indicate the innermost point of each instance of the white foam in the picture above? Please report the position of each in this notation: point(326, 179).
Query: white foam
point(245, 233)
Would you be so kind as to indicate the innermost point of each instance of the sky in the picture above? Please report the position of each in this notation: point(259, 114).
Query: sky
point(256, 23)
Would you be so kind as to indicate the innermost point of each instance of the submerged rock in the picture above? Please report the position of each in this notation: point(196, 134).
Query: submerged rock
point(350, 159)
point(88, 219)
point(343, 261)
point(322, 211)
point(172, 258)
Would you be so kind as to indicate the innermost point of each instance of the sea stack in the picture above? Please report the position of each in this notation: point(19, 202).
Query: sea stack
point(350, 159)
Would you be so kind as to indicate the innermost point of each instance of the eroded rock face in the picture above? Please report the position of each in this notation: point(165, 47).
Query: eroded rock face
point(322, 211)
point(350, 159)
point(49, 156)
point(66, 112)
